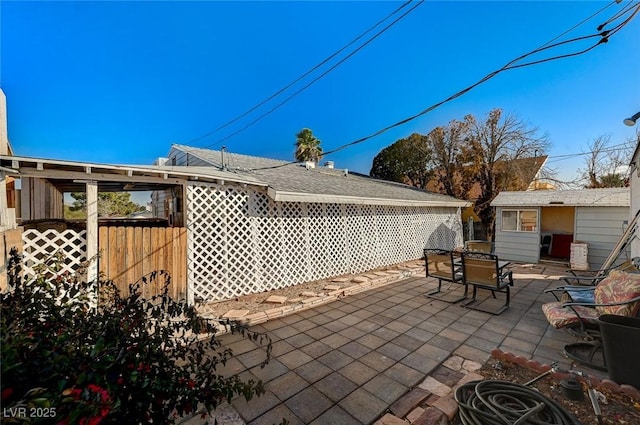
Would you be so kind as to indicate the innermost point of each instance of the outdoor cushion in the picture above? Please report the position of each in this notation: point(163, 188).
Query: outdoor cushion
point(562, 317)
point(618, 287)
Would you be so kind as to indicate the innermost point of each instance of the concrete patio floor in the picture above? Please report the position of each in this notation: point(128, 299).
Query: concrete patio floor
point(346, 362)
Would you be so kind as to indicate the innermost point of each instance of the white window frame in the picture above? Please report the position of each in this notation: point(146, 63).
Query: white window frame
point(519, 212)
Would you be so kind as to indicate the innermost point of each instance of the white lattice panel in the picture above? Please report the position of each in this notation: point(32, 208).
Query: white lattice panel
point(241, 242)
point(41, 246)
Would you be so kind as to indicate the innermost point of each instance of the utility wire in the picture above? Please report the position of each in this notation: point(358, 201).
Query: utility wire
point(283, 89)
point(306, 86)
point(510, 65)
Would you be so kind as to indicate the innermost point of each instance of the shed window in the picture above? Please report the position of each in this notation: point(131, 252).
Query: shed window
point(519, 220)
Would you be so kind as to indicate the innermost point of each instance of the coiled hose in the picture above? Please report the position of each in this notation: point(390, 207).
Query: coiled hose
point(505, 403)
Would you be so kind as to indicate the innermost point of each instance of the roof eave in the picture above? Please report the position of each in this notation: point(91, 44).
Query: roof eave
point(280, 196)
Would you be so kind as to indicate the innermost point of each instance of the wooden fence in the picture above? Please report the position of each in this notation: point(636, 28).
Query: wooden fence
point(128, 253)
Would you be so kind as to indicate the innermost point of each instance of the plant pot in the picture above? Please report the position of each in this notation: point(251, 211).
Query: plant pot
point(621, 344)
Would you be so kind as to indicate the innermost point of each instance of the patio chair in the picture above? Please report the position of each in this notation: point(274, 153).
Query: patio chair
point(443, 265)
point(592, 277)
point(487, 247)
point(482, 270)
point(616, 294)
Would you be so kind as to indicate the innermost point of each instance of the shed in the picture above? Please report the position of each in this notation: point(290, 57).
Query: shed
point(524, 220)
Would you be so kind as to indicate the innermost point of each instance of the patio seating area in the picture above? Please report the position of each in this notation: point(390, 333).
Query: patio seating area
point(348, 361)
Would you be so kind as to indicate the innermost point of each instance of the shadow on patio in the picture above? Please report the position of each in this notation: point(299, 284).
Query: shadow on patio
point(348, 361)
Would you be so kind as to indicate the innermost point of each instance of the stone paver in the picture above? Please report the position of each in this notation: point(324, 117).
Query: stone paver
point(389, 349)
point(408, 402)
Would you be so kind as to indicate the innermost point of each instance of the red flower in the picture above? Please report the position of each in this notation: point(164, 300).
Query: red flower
point(6, 393)
point(191, 384)
point(120, 381)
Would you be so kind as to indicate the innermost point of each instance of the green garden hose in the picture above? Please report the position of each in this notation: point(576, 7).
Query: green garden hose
point(505, 403)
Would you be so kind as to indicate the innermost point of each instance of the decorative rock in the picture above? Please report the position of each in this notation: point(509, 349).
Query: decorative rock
point(235, 314)
point(406, 403)
point(470, 377)
point(294, 300)
point(454, 363)
point(436, 387)
point(390, 419)
point(360, 279)
point(276, 299)
point(431, 416)
point(448, 406)
point(341, 279)
point(309, 294)
point(332, 287)
point(630, 391)
point(414, 414)
point(471, 366)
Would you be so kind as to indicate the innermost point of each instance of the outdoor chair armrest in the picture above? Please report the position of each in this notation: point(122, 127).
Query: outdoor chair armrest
point(588, 280)
point(629, 301)
point(570, 290)
point(507, 275)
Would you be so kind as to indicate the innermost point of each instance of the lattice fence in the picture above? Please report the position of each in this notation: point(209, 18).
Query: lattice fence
point(41, 246)
point(242, 242)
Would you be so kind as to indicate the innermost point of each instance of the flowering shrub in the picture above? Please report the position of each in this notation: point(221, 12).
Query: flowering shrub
point(72, 358)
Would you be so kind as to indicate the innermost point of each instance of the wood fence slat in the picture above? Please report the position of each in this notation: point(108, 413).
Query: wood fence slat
point(128, 253)
point(128, 267)
point(103, 251)
point(147, 261)
point(169, 259)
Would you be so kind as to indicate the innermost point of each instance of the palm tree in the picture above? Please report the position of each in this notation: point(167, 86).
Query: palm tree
point(307, 146)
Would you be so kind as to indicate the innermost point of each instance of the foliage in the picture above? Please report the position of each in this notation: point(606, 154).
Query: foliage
point(110, 204)
point(405, 161)
point(606, 166)
point(307, 146)
point(495, 145)
point(470, 159)
point(126, 360)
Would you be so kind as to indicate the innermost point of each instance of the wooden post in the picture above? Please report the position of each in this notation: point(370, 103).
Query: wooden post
point(92, 230)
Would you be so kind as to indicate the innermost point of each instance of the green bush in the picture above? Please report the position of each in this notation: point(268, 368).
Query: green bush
point(69, 357)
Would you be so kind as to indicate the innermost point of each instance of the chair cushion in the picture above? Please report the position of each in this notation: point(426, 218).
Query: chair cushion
point(561, 317)
point(618, 286)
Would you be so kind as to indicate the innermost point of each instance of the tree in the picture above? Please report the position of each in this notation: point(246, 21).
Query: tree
point(307, 146)
point(494, 146)
point(467, 159)
point(405, 161)
point(110, 204)
point(447, 144)
point(606, 166)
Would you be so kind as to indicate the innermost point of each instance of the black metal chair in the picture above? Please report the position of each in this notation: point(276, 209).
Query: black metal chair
point(443, 265)
point(482, 270)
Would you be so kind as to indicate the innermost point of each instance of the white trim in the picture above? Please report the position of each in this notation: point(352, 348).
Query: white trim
point(518, 221)
point(280, 196)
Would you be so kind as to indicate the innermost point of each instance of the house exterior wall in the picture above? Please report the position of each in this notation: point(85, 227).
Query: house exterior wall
point(40, 199)
point(635, 201)
point(241, 242)
point(601, 228)
point(516, 246)
point(557, 219)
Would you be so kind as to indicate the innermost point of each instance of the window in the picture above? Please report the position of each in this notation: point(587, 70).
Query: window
point(519, 220)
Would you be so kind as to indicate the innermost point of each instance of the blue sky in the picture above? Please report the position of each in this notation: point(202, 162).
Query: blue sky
point(119, 82)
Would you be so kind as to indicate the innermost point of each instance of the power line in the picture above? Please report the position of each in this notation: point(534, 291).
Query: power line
point(306, 86)
point(613, 148)
point(324, 61)
point(510, 65)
